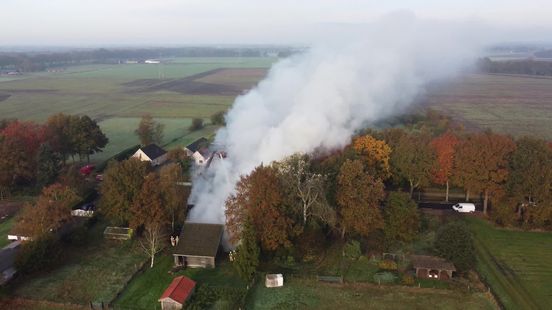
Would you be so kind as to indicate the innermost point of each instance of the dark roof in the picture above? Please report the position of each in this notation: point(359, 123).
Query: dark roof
point(431, 262)
point(197, 144)
point(198, 239)
point(153, 151)
point(7, 258)
point(179, 290)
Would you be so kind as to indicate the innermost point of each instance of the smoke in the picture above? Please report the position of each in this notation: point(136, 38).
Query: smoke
point(316, 100)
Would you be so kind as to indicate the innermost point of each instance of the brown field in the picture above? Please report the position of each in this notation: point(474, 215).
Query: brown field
point(244, 78)
point(516, 105)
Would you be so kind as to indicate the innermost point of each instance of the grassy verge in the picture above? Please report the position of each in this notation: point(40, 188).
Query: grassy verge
point(515, 264)
point(5, 227)
point(309, 294)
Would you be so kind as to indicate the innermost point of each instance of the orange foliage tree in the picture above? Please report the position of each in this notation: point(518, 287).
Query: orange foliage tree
point(481, 164)
point(444, 147)
point(375, 153)
point(359, 196)
point(258, 199)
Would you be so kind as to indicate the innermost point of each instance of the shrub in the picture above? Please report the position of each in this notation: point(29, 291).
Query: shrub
point(218, 118)
point(402, 220)
point(197, 124)
point(387, 265)
point(384, 277)
point(38, 254)
point(408, 280)
point(351, 250)
point(454, 242)
point(503, 213)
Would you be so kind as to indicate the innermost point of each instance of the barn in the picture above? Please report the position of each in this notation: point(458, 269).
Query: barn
point(198, 245)
point(152, 153)
point(432, 267)
point(175, 296)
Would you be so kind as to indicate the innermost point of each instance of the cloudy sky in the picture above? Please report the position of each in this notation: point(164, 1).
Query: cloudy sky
point(124, 22)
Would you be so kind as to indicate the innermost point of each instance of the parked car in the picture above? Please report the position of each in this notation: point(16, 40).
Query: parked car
point(86, 170)
point(464, 207)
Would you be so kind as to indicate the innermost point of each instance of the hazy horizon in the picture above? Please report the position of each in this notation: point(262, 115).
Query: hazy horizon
point(65, 23)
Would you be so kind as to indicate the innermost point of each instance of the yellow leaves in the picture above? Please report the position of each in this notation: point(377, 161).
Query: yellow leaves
point(375, 153)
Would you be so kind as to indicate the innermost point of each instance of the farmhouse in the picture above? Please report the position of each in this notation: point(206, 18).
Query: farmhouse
point(198, 151)
point(198, 245)
point(152, 153)
point(174, 297)
point(432, 267)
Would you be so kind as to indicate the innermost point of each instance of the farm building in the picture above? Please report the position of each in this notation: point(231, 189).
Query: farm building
point(174, 297)
point(198, 151)
point(152, 153)
point(198, 245)
point(432, 267)
point(118, 233)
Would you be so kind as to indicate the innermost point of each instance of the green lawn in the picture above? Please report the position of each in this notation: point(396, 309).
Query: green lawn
point(309, 294)
point(516, 264)
point(93, 272)
point(5, 227)
point(144, 290)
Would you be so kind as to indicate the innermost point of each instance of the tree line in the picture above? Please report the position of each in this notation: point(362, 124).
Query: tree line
point(520, 66)
point(34, 154)
point(358, 192)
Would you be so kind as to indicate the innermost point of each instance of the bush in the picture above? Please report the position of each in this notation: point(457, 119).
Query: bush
point(38, 254)
point(351, 250)
point(454, 242)
point(197, 124)
point(206, 296)
point(402, 220)
point(503, 213)
point(218, 118)
point(408, 280)
point(384, 277)
point(387, 265)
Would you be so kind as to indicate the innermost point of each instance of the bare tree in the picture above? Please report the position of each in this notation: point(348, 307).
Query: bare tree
point(153, 240)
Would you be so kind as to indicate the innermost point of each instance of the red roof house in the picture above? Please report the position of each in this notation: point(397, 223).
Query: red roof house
point(175, 296)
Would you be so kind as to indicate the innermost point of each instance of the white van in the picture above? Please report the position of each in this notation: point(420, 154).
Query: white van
point(464, 207)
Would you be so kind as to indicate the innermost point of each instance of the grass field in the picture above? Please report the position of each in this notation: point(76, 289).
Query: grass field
point(516, 105)
point(5, 227)
point(516, 264)
point(118, 95)
point(91, 273)
point(309, 294)
point(146, 288)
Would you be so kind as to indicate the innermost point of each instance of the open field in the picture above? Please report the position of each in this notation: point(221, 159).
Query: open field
point(146, 288)
point(5, 227)
point(118, 95)
point(516, 105)
point(309, 294)
point(94, 272)
point(516, 264)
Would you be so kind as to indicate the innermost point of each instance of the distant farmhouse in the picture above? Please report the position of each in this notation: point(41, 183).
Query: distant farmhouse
point(198, 245)
point(198, 151)
point(152, 61)
point(152, 153)
point(178, 292)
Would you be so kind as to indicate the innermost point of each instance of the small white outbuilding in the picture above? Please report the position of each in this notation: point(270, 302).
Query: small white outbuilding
point(274, 280)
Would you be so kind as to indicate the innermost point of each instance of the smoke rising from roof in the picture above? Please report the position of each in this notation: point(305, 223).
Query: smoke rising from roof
point(318, 99)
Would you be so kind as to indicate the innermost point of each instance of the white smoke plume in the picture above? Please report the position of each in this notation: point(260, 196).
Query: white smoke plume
point(318, 99)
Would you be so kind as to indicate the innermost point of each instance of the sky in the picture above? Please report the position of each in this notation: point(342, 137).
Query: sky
point(181, 22)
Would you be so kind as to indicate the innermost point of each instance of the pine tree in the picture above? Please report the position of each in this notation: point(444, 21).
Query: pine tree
point(247, 253)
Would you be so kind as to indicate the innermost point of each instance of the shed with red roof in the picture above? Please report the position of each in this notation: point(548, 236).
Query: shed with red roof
point(175, 296)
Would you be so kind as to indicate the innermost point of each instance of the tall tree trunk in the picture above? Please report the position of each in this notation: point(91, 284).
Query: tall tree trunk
point(343, 233)
point(304, 215)
point(411, 188)
point(468, 194)
point(447, 193)
point(485, 201)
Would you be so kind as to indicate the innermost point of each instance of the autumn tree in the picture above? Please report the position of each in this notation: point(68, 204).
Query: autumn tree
point(122, 182)
point(149, 131)
point(258, 198)
point(481, 164)
point(304, 190)
point(148, 211)
point(52, 209)
point(402, 219)
point(412, 160)
point(444, 148)
point(530, 181)
point(48, 167)
point(375, 155)
point(58, 132)
point(88, 138)
point(246, 259)
point(174, 193)
point(358, 196)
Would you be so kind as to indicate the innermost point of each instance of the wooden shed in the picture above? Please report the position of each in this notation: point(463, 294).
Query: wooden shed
point(175, 296)
point(432, 267)
point(198, 245)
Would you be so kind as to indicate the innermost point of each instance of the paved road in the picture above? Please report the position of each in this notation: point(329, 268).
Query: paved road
point(444, 206)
